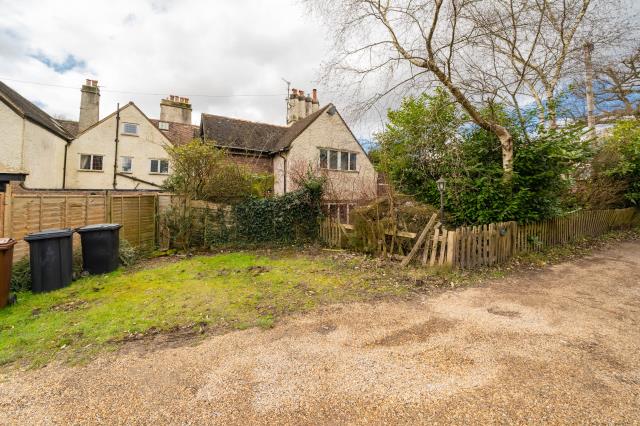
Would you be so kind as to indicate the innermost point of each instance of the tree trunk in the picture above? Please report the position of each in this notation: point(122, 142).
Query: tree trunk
point(506, 142)
point(588, 82)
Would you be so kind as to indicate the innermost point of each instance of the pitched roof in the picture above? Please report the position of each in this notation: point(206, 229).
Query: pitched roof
point(72, 127)
point(246, 135)
point(178, 133)
point(297, 128)
point(31, 112)
point(115, 112)
point(234, 133)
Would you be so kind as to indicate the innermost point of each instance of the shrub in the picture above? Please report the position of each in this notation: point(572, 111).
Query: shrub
point(129, 255)
point(201, 171)
point(428, 138)
point(292, 217)
point(21, 275)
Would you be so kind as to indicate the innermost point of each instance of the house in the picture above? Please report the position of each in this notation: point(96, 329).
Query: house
point(316, 139)
point(31, 142)
point(124, 150)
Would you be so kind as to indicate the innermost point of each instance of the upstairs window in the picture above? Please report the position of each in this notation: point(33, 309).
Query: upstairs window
point(91, 162)
point(126, 164)
point(160, 166)
point(338, 160)
point(130, 129)
point(163, 125)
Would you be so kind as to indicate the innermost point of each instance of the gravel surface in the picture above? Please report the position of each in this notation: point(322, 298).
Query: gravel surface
point(560, 345)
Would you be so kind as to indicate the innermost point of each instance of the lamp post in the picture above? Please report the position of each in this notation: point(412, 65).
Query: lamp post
point(442, 185)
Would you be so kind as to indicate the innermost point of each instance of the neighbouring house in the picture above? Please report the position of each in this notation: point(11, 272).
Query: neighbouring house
point(32, 143)
point(316, 139)
point(127, 150)
point(100, 157)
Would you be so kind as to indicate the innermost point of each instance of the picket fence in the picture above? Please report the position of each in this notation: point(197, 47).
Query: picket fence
point(485, 245)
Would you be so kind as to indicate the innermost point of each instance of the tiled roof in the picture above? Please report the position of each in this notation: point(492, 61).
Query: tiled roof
point(70, 126)
point(233, 133)
point(179, 133)
point(31, 112)
point(239, 134)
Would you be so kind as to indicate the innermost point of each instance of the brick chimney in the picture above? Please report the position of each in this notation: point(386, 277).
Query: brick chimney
point(307, 106)
point(315, 103)
point(175, 109)
point(89, 105)
point(301, 105)
point(292, 108)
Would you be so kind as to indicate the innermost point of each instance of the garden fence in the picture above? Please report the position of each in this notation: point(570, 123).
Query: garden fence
point(485, 245)
point(26, 212)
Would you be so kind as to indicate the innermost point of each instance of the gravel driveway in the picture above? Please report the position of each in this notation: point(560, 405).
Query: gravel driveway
point(556, 346)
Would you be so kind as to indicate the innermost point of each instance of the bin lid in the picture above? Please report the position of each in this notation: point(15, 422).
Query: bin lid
point(49, 234)
point(6, 243)
point(99, 227)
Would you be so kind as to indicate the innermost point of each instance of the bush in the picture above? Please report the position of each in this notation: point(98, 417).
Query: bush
point(21, 276)
point(292, 217)
point(201, 171)
point(129, 255)
point(470, 158)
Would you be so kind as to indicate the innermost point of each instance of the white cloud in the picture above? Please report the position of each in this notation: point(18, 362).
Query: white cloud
point(186, 48)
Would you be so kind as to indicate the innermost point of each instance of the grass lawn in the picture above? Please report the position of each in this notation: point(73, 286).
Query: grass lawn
point(226, 291)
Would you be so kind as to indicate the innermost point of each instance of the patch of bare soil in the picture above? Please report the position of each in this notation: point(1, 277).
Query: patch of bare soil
point(554, 346)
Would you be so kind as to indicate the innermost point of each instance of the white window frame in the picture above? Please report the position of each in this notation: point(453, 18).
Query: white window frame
point(340, 207)
point(350, 155)
point(91, 158)
point(163, 125)
point(159, 168)
point(125, 132)
point(122, 170)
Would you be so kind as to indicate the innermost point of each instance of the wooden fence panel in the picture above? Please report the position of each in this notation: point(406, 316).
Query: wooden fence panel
point(34, 212)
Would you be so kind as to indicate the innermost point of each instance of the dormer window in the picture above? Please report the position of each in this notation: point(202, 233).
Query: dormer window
point(130, 129)
point(163, 125)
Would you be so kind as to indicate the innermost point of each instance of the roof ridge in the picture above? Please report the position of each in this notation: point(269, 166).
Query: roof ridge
point(245, 120)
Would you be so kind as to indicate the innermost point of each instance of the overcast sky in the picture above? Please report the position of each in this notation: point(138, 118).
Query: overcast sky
point(144, 50)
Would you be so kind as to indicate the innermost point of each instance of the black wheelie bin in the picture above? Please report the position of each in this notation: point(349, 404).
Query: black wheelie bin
point(100, 247)
point(51, 258)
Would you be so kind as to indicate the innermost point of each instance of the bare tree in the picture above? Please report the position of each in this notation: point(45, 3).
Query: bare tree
point(395, 46)
point(620, 81)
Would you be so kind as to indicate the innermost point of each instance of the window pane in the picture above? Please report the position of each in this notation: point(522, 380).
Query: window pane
point(333, 160)
point(164, 166)
point(85, 162)
point(97, 162)
point(154, 166)
point(333, 211)
point(131, 128)
point(323, 158)
point(344, 161)
point(344, 214)
point(352, 162)
point(125, 164)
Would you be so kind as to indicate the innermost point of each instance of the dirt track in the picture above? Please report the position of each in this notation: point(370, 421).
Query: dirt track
point(557, 346)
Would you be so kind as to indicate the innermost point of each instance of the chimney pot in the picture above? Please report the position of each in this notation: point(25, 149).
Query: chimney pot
point(171, 112)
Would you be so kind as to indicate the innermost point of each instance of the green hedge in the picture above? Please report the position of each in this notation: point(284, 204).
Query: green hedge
point(290, 218)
